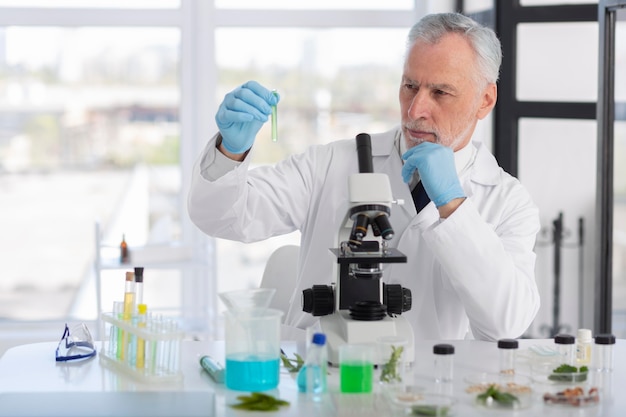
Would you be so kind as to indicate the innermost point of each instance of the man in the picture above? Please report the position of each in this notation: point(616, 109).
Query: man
point(470, 250)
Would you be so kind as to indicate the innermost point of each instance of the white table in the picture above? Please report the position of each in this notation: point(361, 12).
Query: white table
point(33, 384)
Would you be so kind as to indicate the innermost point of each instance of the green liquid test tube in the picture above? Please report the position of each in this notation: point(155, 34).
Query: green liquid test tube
point(274, 120)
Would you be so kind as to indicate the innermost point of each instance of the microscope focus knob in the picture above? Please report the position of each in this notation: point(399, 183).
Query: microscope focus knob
point(319, 300)
point(397, 298)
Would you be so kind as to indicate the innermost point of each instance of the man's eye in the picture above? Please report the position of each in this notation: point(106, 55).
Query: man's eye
point(410, 86)
point(440, 92)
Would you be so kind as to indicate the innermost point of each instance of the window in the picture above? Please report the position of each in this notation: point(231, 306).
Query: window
point(105, 111)
point(548, 52)
point(90, 131)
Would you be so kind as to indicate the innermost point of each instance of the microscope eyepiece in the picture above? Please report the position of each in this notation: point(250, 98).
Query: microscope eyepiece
point(364, 152)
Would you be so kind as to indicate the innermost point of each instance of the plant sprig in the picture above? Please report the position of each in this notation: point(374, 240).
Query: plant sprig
point(430, 410)
point(289, 363)
point(569, 373)
point(504, 399)
point(257, 401)
point(389, 371)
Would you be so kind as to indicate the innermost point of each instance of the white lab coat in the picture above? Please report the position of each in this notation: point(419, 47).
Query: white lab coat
point(472, 273)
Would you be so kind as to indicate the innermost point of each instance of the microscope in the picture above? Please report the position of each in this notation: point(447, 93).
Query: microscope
point(359, 307)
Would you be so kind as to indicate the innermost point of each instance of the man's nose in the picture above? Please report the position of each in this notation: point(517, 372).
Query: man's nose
point(420, 106)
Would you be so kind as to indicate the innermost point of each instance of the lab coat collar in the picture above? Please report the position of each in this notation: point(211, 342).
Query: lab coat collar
point(383, 144)
point(486, 170)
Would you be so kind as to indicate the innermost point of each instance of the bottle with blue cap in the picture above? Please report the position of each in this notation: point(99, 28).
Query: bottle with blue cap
point(312, 376)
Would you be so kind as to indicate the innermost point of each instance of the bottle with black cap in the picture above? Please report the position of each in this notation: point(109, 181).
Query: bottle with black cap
point(603, 352)
point(444, 362)
point(566, 349)
point(508, 351)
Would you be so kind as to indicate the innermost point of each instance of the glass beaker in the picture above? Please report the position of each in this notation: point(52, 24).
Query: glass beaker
point(243, 301)
point(391, 361)
point(356, 367)
point(252, 349)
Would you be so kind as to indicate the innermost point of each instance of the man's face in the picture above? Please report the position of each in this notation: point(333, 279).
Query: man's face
point(441, 97)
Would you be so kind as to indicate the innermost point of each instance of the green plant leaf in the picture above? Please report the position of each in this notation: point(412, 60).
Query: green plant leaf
point(389, 371)
point(504, 399)
point(259, 402)
point(289, 363)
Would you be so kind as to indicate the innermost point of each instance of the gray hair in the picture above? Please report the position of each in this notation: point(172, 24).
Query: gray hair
point(484, 42)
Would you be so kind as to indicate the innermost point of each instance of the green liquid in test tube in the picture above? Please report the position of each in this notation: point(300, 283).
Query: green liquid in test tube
point(274, 120)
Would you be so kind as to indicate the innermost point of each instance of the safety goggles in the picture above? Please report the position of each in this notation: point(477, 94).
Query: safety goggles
point(77, 344)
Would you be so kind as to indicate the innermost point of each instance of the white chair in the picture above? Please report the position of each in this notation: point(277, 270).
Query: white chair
point(280, 273)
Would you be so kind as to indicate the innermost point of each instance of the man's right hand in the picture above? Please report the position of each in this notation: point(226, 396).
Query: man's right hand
point(241, 115)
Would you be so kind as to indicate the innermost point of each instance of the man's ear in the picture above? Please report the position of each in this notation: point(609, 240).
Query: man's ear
point(489, 97)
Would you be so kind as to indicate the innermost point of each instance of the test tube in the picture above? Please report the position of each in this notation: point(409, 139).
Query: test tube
point(118, 312)
point(174, 364)
point(166, 346)
point(141, 343)
point(129, 304)
point(115, 333)
point(138, 285)
point(150, 347)
point(131, 357)
point(274, 119)
point(444, 362)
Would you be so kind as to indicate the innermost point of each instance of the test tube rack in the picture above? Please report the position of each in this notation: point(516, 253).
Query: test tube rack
point(160, 357)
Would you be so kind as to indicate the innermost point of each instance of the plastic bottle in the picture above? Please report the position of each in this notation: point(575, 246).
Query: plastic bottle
point(583, 347)
point(312, 377)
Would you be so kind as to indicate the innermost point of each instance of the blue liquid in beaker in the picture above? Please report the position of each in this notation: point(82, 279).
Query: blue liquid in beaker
point(251, 373)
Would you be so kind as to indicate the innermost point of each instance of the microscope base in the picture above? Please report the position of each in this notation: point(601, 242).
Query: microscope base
point(341, 329)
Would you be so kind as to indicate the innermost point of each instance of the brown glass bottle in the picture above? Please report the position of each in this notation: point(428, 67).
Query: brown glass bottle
point(124, 250)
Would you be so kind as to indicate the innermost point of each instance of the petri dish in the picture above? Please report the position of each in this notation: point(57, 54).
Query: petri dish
point(572, 397)
point(500, 391)
point(417, 403)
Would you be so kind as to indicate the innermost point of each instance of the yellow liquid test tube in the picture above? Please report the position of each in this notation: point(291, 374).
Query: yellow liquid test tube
point(274, 119)
point(129, 304)
point(141, 343)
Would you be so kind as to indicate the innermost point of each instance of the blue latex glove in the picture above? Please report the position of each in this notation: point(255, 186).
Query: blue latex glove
point(242, 113)
point(435, 164)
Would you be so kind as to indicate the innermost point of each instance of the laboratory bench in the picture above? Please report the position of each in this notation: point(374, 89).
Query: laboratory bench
point(33, 384)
